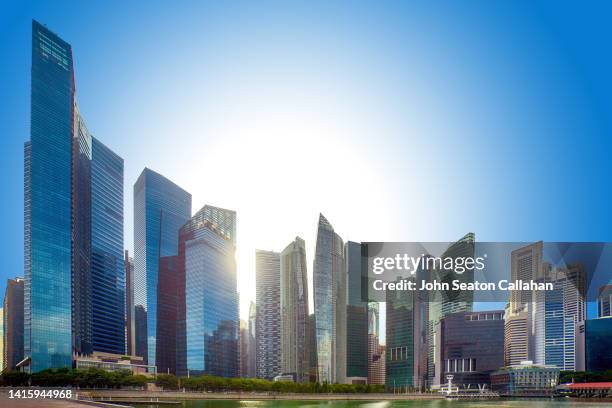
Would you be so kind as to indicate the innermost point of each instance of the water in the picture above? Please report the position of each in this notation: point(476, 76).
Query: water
point(388, 404)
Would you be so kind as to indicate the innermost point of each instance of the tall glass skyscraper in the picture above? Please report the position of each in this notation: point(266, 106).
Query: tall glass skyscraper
point(107, 263)
point(400, 324)
point(267, 301)
point(48, 303)
point(223, 222)
point(211, 295)
point(295, 357)
point(160, 210)
point(73, 221)
point(329, 281)
point(558, 313)
point(356, 316)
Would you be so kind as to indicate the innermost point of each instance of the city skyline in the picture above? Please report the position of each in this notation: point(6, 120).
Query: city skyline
point(276, 117)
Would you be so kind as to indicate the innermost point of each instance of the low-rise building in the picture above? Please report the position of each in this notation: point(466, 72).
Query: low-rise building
point(115, 362)
point(525, 379)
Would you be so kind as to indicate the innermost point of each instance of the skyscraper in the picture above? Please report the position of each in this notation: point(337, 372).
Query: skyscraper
point(356, 317)
point(598, 342)
point(471, 346)
point(329, 282)
point(399, 364)
point(243, 349)
point(252, 344)
point(107, 267)
point(223, 222)
point(160, 210)
point(525, 264)
point(376, 364)
point(1, 339)
point(48, 203)
point(130, 329)
point(211, 295)
point(13, 323)
point(604, 301)
point(267, 301)
point(73, 221)
point(558, 313)
point(442, 303)
point(294, 311)
point(168, 283)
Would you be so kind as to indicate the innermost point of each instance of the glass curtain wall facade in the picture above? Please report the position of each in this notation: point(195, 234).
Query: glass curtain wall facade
point(211, 303)
point(160, 210)
point(12, 352)
point(356, 315)
point(399, 364)
point(82, 285)
point(48, 216)
point(558, 314)
point(329, 282)
point(222, 221)
point(267, 301)
point(107, 263)
point(295, 358)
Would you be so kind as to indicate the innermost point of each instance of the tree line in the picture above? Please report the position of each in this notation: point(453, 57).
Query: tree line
point(98, 378)
point(585, 376)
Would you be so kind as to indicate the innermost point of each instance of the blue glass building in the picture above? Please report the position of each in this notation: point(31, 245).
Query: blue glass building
point(107, 264)
point(160, 210)
point(47, 213)
point(329, 282)
point(211, 295)
point(598, 342)
point(73, 221)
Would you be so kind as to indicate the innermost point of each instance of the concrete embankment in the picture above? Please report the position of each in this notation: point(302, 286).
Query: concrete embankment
point(109, 395)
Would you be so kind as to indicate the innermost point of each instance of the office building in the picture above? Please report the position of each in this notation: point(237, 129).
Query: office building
point(48, 204)
point(312, 348)
point(604, 301)
point(526, 264)
point(437, 305)
point(114, 363)
point(73, 221)
point(167, 313)
point(356, 317)
point(252, 344)
point(13, 323)
point(1, 339)
point(330, 295)
point(107, 264)
point(295, 359)
point(211, 297)
point(243, 349)
point(471, 347)
point(267, 300)
point(399, 364)
point(525, 379)
point(128, 264)
point(376, 361)
point(140, 331)
point(558, 314)
point(516, 336)
point(160, 210)
point(598, 343)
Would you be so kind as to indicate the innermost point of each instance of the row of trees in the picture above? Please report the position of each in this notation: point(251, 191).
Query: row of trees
point(97, 378)
point(220, 384)
point(65, 377)
point(584, 376)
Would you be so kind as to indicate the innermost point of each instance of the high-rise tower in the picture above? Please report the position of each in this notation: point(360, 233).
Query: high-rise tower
point(267, 301)
point(329, 282)
point(295, 357)
point(160, 210)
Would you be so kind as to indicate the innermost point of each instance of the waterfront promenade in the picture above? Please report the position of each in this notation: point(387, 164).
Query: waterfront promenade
point(122, 395)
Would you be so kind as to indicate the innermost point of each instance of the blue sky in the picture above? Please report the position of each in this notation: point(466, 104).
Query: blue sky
point(400, 121)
